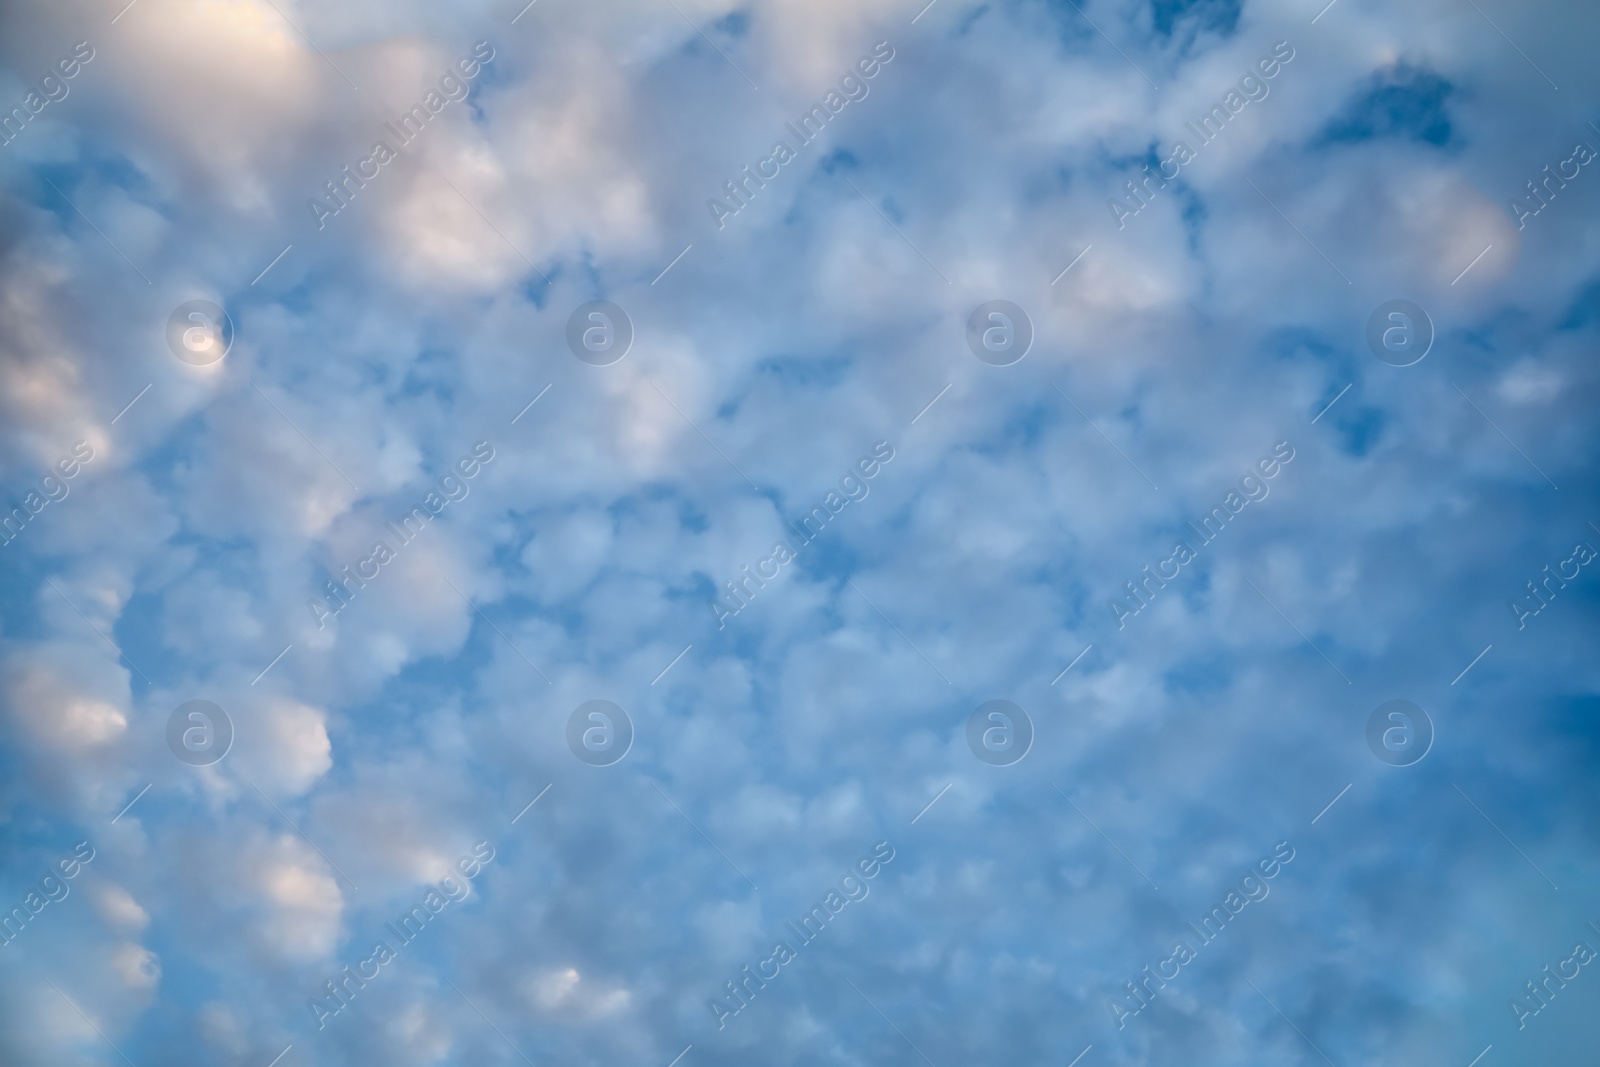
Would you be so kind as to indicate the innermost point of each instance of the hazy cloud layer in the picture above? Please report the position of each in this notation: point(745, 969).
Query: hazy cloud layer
point(799, 532)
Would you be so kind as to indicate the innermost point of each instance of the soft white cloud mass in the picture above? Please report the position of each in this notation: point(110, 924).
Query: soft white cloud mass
point(408, 526)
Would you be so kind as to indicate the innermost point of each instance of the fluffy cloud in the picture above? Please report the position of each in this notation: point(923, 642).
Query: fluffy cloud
point(377, 745)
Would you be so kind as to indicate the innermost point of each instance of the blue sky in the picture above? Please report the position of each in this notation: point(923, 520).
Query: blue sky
point(183, 511)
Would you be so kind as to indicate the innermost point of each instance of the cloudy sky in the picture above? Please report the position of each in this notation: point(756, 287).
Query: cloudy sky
point(397, 379)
